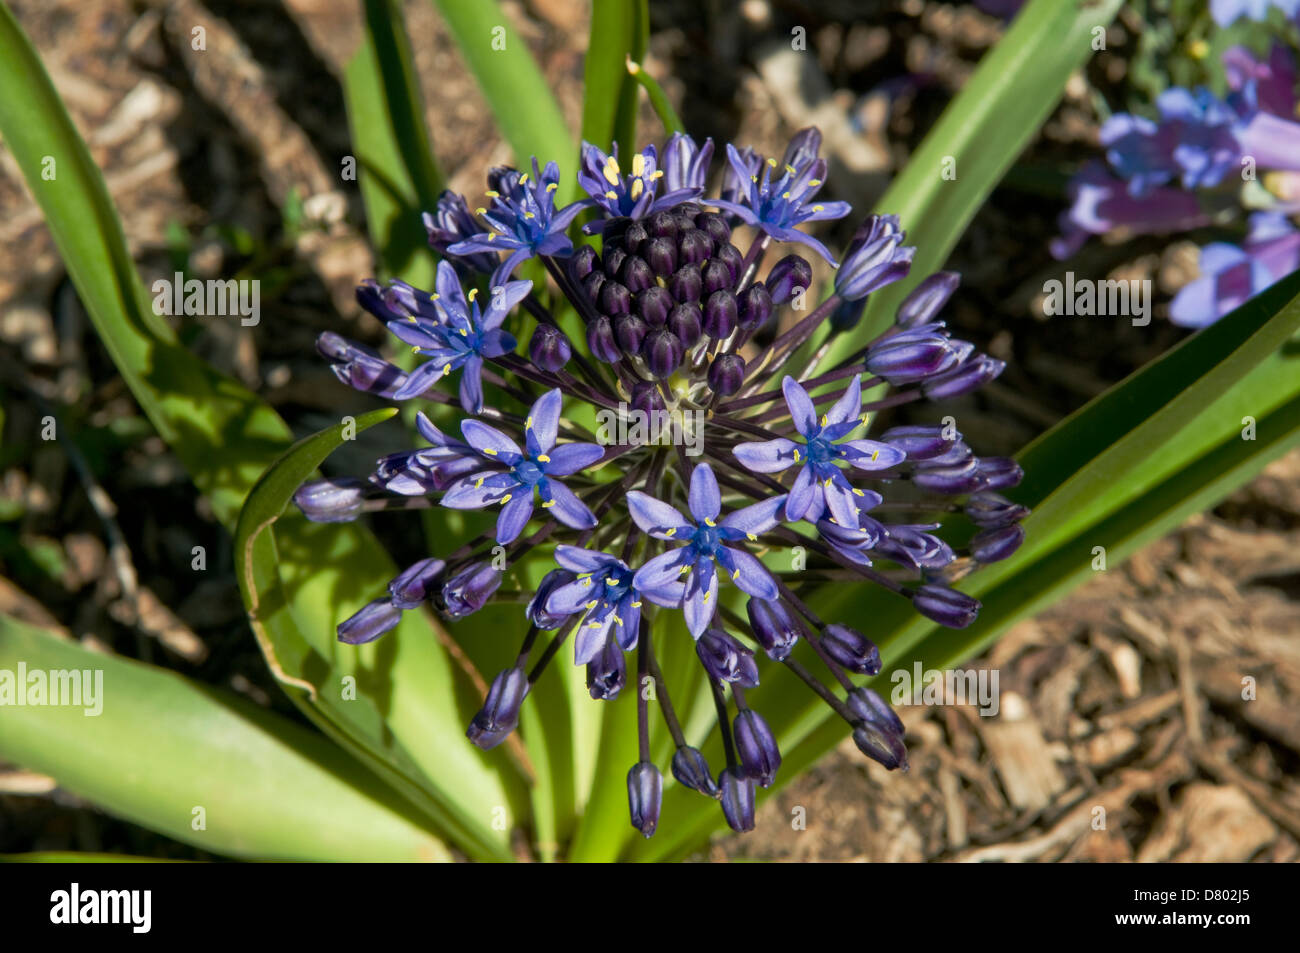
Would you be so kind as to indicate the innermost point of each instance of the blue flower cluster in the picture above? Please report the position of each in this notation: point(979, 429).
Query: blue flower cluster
point(754, 458)
point(1177, 172)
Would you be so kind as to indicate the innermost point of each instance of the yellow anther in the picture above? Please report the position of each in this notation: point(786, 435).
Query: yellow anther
point(546, 505)
point(434, 297)
point(489, 451)
point(819, 208)
point(637, 188)
point(785, 195)
point(706, 597)
point(446, 369)
point(586, 581)
point(671, 531)
point(492, 236)
point(709, 522)
point(473, 293)
point(827, 484)
point(813, 183)
point(796, 456)
point(611, 170)
point(505, 499)
point(593, 603)
point(611, 194)
point(824, 420)
point(751, 537)
point(529, 215)
point(857, 492)
point(658, 174)
point(638, 165)
point(523, 178)
point(875, 455)
point(543, 458)
point(684, 570)
point(753, 178)
point(735, 574)
point(492, 194)
point(479, 482)
point(791, 169)
point(553, 186)
point(771, 162)
point(636, 605)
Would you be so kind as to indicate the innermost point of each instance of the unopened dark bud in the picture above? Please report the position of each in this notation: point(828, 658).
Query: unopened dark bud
point(370, 622)
point(687, 283)
point(661, 255)
point(582, 262)
point(715, 226)
point(948, 607)
point(615, 299)
point(694, 247)
point(500, 712)
point(994, 545)
point(662, 352)
point(629, 331)
point(851, 649)
point(416, 583)
point(636, 274)
point(720, 313)
point(601, 341)
point(772, 626)
point(756, 746)
point(737, 796)
point(330, 501)
point(788, 277)
point(692, 771)
point(549, 348)
point(753, 307)
point(726, 374)
point(716, 275)
point(645, 795)
point(653, 305)
point(684, 321)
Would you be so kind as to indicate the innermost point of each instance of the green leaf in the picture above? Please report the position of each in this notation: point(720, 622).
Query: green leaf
point(981, 132)
point(398, 175)
point(193, 408)
point(397, 703)
point(517, 93)
point(619, 32)
point(658, 99)
point(163, 746)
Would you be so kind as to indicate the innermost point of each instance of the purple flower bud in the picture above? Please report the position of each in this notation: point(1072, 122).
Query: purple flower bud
point(963, 378)
point(614, 258)
point(951, 480)
point(692, 771)
point(451, 222)
point(716, 276)
point(726, 658)
point(662, 225)
point(720, 314)
point(730, 256)
point(772, 626)
point(759, 755)
point(726, 374)
point(653, 305)
point(370, 622)
point(999, 473)
point(851, 649)
point(582, 262)
point(988, 509)
point(874, 710)
point(662, 352)
point(636, 274)
point(615, 299)
point(549, 348)
point(790, 276)
point(912, 546)
point(592, 285)
point(359, 367)
point(632, 238)
point(500, 712)
point(684, 321)
point(753, 307)
point(927, 299)
point(416, 583)
point(373, 297)
point(537, 612)
point(737, 795)
point(645, 795)
point(694, 247)
point(647, 399)
point(686, 165)
point(948, 607)
point(959, 453)
point(661, 255)
point(994, 545)
point(601, 341)
point(875, 257)
point(470, 589)
point(330, 501)
point(879, 745)
point(687, 283)
point(715, 226)
point(803, 148)
point(607, 673)
point(918, 442)
point(629, 332)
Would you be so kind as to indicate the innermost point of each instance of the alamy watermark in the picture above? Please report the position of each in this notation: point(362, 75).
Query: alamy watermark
point(131, 907)
point(953, 686)
point(1129, 298)
point(55, 688)
point(627, 426)
point(210, 297)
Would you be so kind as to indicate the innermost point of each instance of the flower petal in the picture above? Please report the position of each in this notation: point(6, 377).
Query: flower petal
point(849, 405)
point(701, 597)
point(871, 454)
point(565, 505)
point(490, 442)
point(542, 422)
point(577, 559)
point(571, 457)
point(767, 456)
point(747, 572)
point(704, 500)
point(514, 515)
point(801, 407)
point(656, 517)
point(662, 571)
point(754, 519)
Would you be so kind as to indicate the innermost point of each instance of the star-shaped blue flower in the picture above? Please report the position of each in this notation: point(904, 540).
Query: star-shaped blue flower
point(459, 335)
point(604, 591)
point(524, 473)
point(777, 205)
point(821, 484)
point(522, 219)
point(634, 195)
point(704, 541)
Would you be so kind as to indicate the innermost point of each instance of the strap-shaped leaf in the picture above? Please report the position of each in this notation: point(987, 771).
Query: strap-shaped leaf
point(197, 763)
